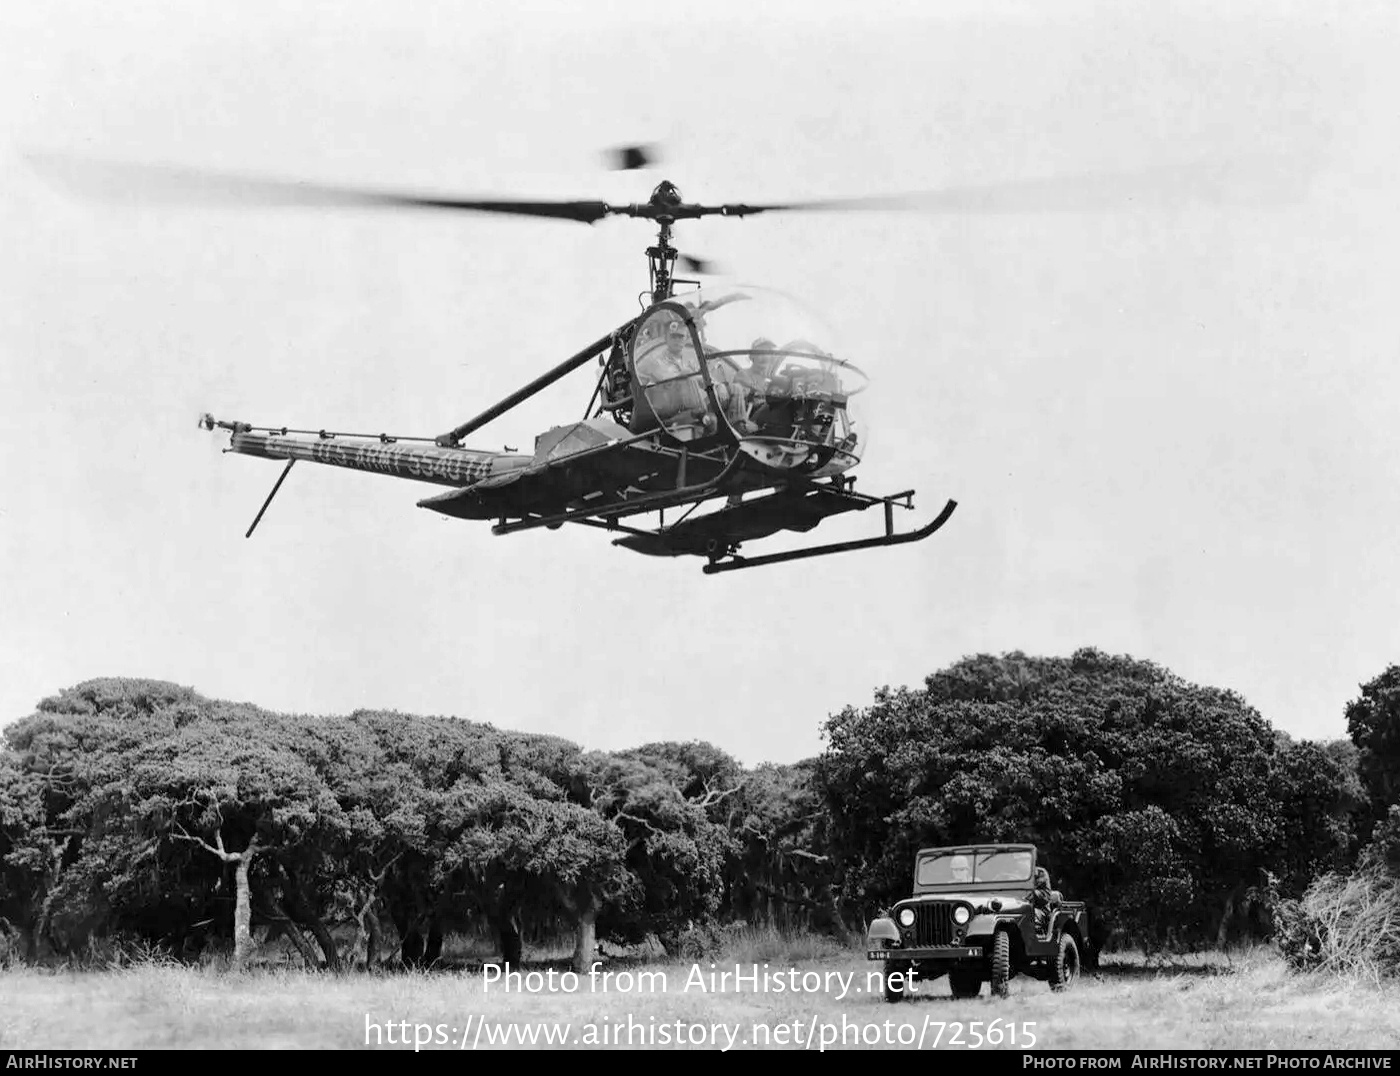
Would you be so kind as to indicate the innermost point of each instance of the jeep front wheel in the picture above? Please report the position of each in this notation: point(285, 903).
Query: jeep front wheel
point(894, 980)
point(1065, 969)
point(965, 984)
point(1001, 963)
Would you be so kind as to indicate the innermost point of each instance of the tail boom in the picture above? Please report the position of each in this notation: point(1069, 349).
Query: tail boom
point(422, 462)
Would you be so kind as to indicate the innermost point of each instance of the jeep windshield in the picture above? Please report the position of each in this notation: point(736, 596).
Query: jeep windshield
point(971, 867)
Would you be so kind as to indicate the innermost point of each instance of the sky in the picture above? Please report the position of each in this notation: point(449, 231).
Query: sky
point(1165, 402)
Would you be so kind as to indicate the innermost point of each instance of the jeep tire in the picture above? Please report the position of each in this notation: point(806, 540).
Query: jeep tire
point(1064, 969)
point(1001, 963)
point(965, 984)
point(893, 981)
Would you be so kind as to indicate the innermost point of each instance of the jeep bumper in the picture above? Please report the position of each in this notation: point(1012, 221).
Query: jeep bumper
point(942, 952)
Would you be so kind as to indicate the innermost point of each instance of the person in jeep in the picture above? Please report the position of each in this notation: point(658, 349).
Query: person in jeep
point(1042, 898)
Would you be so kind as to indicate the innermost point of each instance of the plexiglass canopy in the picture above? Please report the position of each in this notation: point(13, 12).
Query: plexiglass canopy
point(749, 364)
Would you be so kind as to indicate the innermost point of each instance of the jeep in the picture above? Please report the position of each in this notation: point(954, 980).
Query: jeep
point(973, 918)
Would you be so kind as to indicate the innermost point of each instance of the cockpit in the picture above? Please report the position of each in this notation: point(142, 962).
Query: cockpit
point(747, 365)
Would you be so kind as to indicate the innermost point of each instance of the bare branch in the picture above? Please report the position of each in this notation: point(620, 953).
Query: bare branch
point(713, 796)
point(640, 821)
point(378, 876)
point(228, 857)
point(182, 835)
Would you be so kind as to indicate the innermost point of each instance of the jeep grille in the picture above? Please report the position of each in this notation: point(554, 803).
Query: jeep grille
point(933, 924)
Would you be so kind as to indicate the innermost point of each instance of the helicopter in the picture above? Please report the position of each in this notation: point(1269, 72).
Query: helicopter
point(723, 400)
point(695, 401)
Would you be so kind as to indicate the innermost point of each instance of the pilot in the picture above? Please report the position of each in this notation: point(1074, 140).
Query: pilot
point(1042, 900)
point(762, 359)
point(666, 369)
point(757, 382)
point(960, 869)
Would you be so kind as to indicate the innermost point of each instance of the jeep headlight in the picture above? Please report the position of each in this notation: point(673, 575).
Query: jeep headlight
point(906, 917)
point(961, 914)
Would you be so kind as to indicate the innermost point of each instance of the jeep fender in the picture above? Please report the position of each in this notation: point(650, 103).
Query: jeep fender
point(882, 929)
point(1070, 925)
point(982, 926)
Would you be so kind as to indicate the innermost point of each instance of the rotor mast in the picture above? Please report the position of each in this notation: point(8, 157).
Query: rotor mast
point(661, 259)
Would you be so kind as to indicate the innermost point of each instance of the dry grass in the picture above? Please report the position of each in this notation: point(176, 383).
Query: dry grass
point(1347, 925)
point(1248, 1000)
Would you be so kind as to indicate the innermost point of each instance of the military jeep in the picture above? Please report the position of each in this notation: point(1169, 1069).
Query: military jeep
point(973, 918)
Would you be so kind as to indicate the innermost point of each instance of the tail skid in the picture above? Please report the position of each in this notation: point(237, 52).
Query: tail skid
point(275, 487)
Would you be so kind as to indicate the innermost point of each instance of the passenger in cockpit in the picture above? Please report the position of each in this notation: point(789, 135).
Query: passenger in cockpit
point(670, 375)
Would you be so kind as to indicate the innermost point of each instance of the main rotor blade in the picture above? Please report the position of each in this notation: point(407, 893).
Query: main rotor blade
point(704, 266)
point(630, 158)
point(1252, 181)
point(142, 183)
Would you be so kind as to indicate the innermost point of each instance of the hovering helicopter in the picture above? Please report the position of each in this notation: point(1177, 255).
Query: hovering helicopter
point(705, 397)
point(726, 399)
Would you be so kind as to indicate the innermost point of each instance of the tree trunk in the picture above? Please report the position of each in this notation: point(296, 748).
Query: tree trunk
point(243, 945)
point(373, 941)
point(325, 941)
point(411, 948)
point(1222, 931)
point(366, 933)
point(512, 947)
point(836, 922)
point(586, 935)
point(506, 922)
point(303, 913)
point(432, 951)
point(285, 928)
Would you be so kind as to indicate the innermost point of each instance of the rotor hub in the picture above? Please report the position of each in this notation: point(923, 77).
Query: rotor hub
point(666, 196)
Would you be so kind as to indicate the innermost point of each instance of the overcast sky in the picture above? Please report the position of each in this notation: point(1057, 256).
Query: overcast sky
point(1167, 408)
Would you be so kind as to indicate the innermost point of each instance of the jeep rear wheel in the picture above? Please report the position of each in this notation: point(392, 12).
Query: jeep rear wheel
point(1065, 968)
point(965, 984)
point(1001, 963)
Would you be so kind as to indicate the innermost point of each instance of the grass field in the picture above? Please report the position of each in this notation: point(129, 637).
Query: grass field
point(1248, 1001)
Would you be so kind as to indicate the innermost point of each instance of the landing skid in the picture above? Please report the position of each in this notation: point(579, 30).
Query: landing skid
point(736, 562)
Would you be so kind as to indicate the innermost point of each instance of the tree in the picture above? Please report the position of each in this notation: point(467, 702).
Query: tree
point(234, 787)
point(80, 863)
point(1373, 721)
point(673, 853)
point(1163, 801)
point(780, 872)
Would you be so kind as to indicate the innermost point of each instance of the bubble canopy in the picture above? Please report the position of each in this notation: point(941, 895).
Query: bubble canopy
point(750, 364)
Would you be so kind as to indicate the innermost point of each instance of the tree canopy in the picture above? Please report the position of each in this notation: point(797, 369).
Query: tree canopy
point(1164, 802)
point(140, 806)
